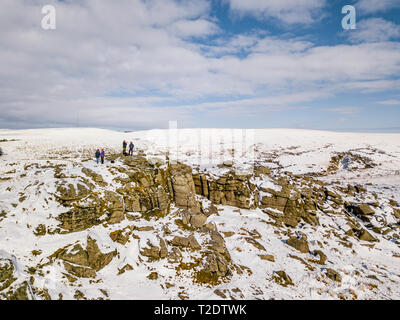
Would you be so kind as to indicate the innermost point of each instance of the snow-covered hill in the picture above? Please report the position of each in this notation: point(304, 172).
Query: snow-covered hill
point(199, 214)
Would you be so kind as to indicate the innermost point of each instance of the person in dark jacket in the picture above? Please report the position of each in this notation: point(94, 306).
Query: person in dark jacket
point(124, 144)
point(97, 155)
point(131, 148)
point(102, 156)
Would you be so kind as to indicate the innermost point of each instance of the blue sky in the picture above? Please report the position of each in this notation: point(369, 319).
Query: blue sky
point(133, 65)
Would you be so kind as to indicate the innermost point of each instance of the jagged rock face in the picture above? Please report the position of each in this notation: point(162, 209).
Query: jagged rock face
point(66, 192)
point(149, 190)
point(78, 219)
point(215, 267)
point(95, 176)
point(183, 187)
point(232, 189)
point(84, 263)
point(154, 252)
point(190, 242)
point(294, 204)
point(115, 205)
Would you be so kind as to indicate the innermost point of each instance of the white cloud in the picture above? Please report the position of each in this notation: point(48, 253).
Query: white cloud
point(143, 50)
point(372, 6)
point(390, 102)
point(373, 30)
point(343, 110)
point(194, 28)
point(287, 11)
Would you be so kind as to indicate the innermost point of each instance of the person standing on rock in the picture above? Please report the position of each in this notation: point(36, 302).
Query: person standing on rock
point(97, 155)
point(131, 148)
point(124, 144)
point(102, 156)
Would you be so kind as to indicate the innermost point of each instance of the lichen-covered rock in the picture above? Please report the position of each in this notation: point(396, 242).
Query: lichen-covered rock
point(20, 293)
point(67, 192)
point(282, 278)
point(95, 176)
point(154, 252)
point(81, 218)
point(84, 263)
point(184, 190)
point(198, 220)
point(215, 267)
point(366, 236)
point(121, 236)
point(6, 273)
point(299, 242)
point(362, 210)
point(190, 242)
point(333, 275)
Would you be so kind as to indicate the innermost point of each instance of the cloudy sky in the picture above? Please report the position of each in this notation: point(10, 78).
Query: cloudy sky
point(137, 64)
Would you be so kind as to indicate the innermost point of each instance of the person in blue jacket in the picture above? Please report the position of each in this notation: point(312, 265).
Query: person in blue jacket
point(97, 155)
point(102, 156)
point(131, 148)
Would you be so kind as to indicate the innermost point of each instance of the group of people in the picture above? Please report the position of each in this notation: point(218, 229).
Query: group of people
point(100, 154)
point(131, 146)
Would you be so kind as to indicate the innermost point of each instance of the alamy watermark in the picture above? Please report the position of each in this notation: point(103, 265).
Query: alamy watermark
point(210, 147)
point(49, 19)
point(349, 20)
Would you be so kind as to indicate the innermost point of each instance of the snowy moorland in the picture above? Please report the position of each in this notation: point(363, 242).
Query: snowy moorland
point(199, 214)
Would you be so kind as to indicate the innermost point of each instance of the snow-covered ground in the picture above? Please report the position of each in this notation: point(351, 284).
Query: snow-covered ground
point(372, 160)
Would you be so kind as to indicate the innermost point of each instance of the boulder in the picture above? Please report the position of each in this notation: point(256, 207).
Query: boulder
point(198, 220)
point(299, 243)
point(362, 210)
point(396, 213)
point(333, 275)
point(366, 236)
point(84, 263)
point(215, 267)
point(186, 242)
point(282, 278)
point(6, 273)
point(67, 192)
point(153, 252)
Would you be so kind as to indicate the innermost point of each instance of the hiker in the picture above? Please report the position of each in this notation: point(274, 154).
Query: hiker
point(102, 156)
point(131, 148)
point(124, 144)
point(97, 155)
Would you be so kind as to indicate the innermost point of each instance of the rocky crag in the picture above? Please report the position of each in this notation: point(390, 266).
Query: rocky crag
point(146, 215)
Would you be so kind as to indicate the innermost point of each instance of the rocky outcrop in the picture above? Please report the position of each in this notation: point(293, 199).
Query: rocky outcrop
point(154, 252)
point(299, 242)
point(189, 242)
point(183, 188)
point(6, 273)
point(81, 218)
point(366, 236)
point(362, 209)
point(231, 189)
point(115, 206)
point(214, 268)
point(83, 263)
point(67, 192)
point(282, 278)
